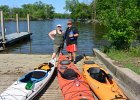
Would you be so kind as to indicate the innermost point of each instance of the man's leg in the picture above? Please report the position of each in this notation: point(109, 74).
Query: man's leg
point(74, 53)
point(53, 55)
point(74, 56)
point(55, 52)
point(70, 55)
point(61, 48)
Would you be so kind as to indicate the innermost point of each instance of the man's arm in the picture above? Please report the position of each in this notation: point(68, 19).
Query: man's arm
point(51, 34)
point(76, 33)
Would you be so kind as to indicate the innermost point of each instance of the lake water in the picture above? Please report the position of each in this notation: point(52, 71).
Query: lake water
point(40, 42)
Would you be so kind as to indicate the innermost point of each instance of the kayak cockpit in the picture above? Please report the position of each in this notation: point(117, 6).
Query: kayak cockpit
point(68, 73)
point(99, 75)
point(33, 76)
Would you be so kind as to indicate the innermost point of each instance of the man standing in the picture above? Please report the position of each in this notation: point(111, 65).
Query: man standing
point(71, 36)
point(58, 38)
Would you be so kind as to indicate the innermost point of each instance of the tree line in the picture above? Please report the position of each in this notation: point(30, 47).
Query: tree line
point(37, 11)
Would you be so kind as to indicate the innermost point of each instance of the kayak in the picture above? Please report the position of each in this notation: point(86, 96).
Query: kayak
point(71, 81)
point(101, 82)
point(30, 84)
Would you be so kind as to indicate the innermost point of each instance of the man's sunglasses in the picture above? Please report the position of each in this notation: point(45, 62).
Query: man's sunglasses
point(69, 24)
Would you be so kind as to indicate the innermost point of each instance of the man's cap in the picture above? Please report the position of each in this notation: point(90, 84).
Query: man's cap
point(58, 25)
point(69, 21)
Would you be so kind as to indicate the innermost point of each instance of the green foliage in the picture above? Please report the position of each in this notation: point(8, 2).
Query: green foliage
point(81, 11)
point(119, 18)
point(135, 51)
point(126, 58)
point(78, 10)
point(59, 15)
point(15, 11)
point(70, 5)
point(37, 11)
point(5, 9)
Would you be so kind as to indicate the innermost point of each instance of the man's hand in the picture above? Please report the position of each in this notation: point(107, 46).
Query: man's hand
point(71, 35)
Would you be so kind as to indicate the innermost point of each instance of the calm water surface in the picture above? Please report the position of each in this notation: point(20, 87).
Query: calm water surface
point(40, 42)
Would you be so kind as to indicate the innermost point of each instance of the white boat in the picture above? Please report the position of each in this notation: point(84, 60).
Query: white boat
point(30, 84)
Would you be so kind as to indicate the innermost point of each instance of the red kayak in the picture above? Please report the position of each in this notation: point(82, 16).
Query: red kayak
point(71, 81)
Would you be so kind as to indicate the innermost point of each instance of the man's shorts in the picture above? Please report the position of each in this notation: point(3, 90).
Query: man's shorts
point(71, 48)
point(57, 48)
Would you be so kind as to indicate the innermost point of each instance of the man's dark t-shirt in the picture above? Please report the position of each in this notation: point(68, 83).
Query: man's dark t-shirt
point(70, 40)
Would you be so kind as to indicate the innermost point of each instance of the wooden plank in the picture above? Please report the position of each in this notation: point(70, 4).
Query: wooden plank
point(14, 37)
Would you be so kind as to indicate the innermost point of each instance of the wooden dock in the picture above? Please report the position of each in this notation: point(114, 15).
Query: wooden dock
point(13, 38)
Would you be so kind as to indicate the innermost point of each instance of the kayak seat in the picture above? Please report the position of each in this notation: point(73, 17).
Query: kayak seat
point(36, 75)
point(26, 78)
point(89, 62)
point(69, 74)
point(63, 67)
point(65, 62)
point(97, 74)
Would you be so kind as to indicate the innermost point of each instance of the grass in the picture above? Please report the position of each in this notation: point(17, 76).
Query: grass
point(128, 59)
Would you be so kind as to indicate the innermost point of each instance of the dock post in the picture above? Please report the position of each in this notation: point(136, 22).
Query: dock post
point(28, 22)
point(17, 23)
point(2, 26)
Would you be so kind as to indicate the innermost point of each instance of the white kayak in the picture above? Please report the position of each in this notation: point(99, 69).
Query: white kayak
point(30, 84)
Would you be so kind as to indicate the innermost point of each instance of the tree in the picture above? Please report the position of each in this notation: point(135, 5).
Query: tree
point(18, 11)
point(6, 10)
point(78, 10)
point(81, 11)
point(39, 10)
point(49, 11)
point(119, 17)
point(70, 5)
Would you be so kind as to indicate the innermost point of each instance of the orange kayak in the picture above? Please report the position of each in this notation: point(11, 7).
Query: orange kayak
point(71, 81)
point(102, 83)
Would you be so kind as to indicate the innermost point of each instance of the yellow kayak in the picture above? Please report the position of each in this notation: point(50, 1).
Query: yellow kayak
point(101, 82)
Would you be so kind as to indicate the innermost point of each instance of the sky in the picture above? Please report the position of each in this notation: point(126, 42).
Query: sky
point(57, 4)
